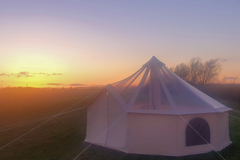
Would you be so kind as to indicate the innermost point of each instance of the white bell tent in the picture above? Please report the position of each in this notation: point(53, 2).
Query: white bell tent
point(156, 112)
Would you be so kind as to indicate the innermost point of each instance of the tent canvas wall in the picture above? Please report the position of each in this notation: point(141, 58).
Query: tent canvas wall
point(155, 112)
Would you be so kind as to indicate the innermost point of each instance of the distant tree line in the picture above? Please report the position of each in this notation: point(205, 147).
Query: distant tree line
point(197, 72)
point(229, 93)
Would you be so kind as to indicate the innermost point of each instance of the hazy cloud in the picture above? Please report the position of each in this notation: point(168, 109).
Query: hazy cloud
point(231, 78)
point(76, 84)
point(50, 74)
point(225, 59)
point(45, 74)
point(28, 74)
point(23, 74)
point(73, 85)
point(58, 74)
point(3, 74)
point(54, 84)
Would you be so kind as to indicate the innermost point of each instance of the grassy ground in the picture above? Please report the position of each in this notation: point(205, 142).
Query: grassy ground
point(62, 138)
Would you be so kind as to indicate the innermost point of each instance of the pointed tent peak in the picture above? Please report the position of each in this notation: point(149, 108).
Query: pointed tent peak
point(153, 61)
point(155, 89)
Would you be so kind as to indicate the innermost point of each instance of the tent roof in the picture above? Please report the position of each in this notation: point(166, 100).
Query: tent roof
point(155, 89)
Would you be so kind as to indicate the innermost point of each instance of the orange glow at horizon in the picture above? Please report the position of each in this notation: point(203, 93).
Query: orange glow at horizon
point(32, 77)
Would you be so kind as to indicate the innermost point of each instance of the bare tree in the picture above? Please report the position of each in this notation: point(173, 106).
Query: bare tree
point(195, 70)
point(210, 71)
point(182, 70)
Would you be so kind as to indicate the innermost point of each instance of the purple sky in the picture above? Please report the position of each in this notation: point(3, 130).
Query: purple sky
point(99, 42)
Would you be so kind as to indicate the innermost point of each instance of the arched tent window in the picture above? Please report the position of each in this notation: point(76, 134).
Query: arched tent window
point(202, 127)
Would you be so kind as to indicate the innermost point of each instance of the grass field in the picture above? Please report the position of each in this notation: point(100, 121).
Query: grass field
point(62, 137)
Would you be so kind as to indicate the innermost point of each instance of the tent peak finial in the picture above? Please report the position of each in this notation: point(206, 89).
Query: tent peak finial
point(153, 61)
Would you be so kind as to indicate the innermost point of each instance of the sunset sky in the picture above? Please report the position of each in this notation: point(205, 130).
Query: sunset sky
point(73, 42)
